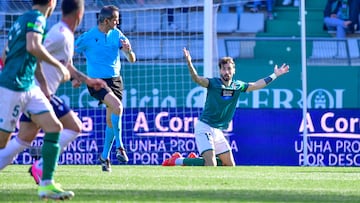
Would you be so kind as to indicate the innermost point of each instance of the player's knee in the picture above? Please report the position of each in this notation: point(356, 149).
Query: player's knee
point(77, 127)
point(209, 158)
point(4, 139)
point(210, 162)
point(55, 127)
point(118, 110)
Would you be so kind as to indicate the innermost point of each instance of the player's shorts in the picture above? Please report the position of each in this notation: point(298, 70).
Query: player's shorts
point(60, 108)
point(114, 85)
point(209, 138)
point(14, 103)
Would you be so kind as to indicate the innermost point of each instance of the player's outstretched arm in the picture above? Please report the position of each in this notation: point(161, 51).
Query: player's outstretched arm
point(204, 82)
point(79, 76)
point(261, 83)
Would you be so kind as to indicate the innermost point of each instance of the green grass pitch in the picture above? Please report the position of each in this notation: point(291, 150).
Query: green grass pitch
point(191, 184)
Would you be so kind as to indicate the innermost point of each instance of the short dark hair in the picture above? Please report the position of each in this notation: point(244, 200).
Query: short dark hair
point(226, 60)
point(107, 12)
point(40, 2)
point(69, 6)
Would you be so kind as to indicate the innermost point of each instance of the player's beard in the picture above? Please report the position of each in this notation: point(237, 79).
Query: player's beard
point(226, 77)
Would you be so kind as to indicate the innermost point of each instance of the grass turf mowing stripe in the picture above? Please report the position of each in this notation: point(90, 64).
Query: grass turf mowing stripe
point(191, 184)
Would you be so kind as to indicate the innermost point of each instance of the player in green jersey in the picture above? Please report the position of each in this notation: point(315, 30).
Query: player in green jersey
point(19, 94)
point(220, 105)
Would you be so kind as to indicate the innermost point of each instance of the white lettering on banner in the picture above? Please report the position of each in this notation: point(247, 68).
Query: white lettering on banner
point(330, 124)
point(309, 124)
point(347, 146)
point(146, 158)
point(141, 122)
point(234, 146)
point(257, 102)
point(26, 158)
point(182, 145)
point(314, 146)
point(82, 145)
point(341, 124)
point(312, 159)
point(87, 124)
point(344, 159)
point(76, 158)
point(342, 150)
point(147, 145)
point(176, 124)
point(264, 98)
point(147, 101)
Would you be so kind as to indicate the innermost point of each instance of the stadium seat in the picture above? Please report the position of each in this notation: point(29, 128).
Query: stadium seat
point(251, 22)
point(180, 20)
point(2, 20)
point(172, 48)
point(89, 21)
point(148, 21)
point(196, 48)
point(329, 49)
point(239, 48)
point(196, 22)
point(145, 48)
point(127, 21)
point(226, 22)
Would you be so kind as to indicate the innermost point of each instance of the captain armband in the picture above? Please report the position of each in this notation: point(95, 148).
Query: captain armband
point(270, 78)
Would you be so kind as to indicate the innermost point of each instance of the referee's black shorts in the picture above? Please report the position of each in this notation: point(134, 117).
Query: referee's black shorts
point(114, 85)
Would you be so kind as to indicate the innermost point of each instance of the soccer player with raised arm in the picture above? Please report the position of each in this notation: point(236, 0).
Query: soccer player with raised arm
point(102, 46)
point(19, 94)
point(220, 105)
point(59, 42)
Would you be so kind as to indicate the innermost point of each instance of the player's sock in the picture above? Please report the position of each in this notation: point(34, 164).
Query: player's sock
point(108, 142)
point(66, 136)
point(50, 154)
point(195, 162)
point(117, 128)
point(179, 161)
point(8, 153)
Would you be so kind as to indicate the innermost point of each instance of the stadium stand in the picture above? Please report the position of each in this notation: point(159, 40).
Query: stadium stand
point(130, 17)
point(148, 21)
point(231, 24)
point(251, 22)
point(152, 50)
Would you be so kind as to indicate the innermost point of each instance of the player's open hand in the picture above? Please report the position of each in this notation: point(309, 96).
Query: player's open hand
point(282, 70)
point(187, 54)
point(97, 84)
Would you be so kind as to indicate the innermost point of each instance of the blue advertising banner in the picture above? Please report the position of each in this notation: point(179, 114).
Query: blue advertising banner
point(256, 136)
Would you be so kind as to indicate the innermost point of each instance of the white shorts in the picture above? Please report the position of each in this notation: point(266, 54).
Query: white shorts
point(209, 138)
point(14, 103)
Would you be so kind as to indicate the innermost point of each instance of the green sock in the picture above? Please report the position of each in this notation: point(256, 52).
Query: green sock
point(50, 154)
point(198, 162)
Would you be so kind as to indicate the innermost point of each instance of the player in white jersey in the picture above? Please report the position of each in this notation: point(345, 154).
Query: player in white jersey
point(60, 43)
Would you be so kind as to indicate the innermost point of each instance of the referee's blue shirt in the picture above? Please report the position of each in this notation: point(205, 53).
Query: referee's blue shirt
point(102, 52)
